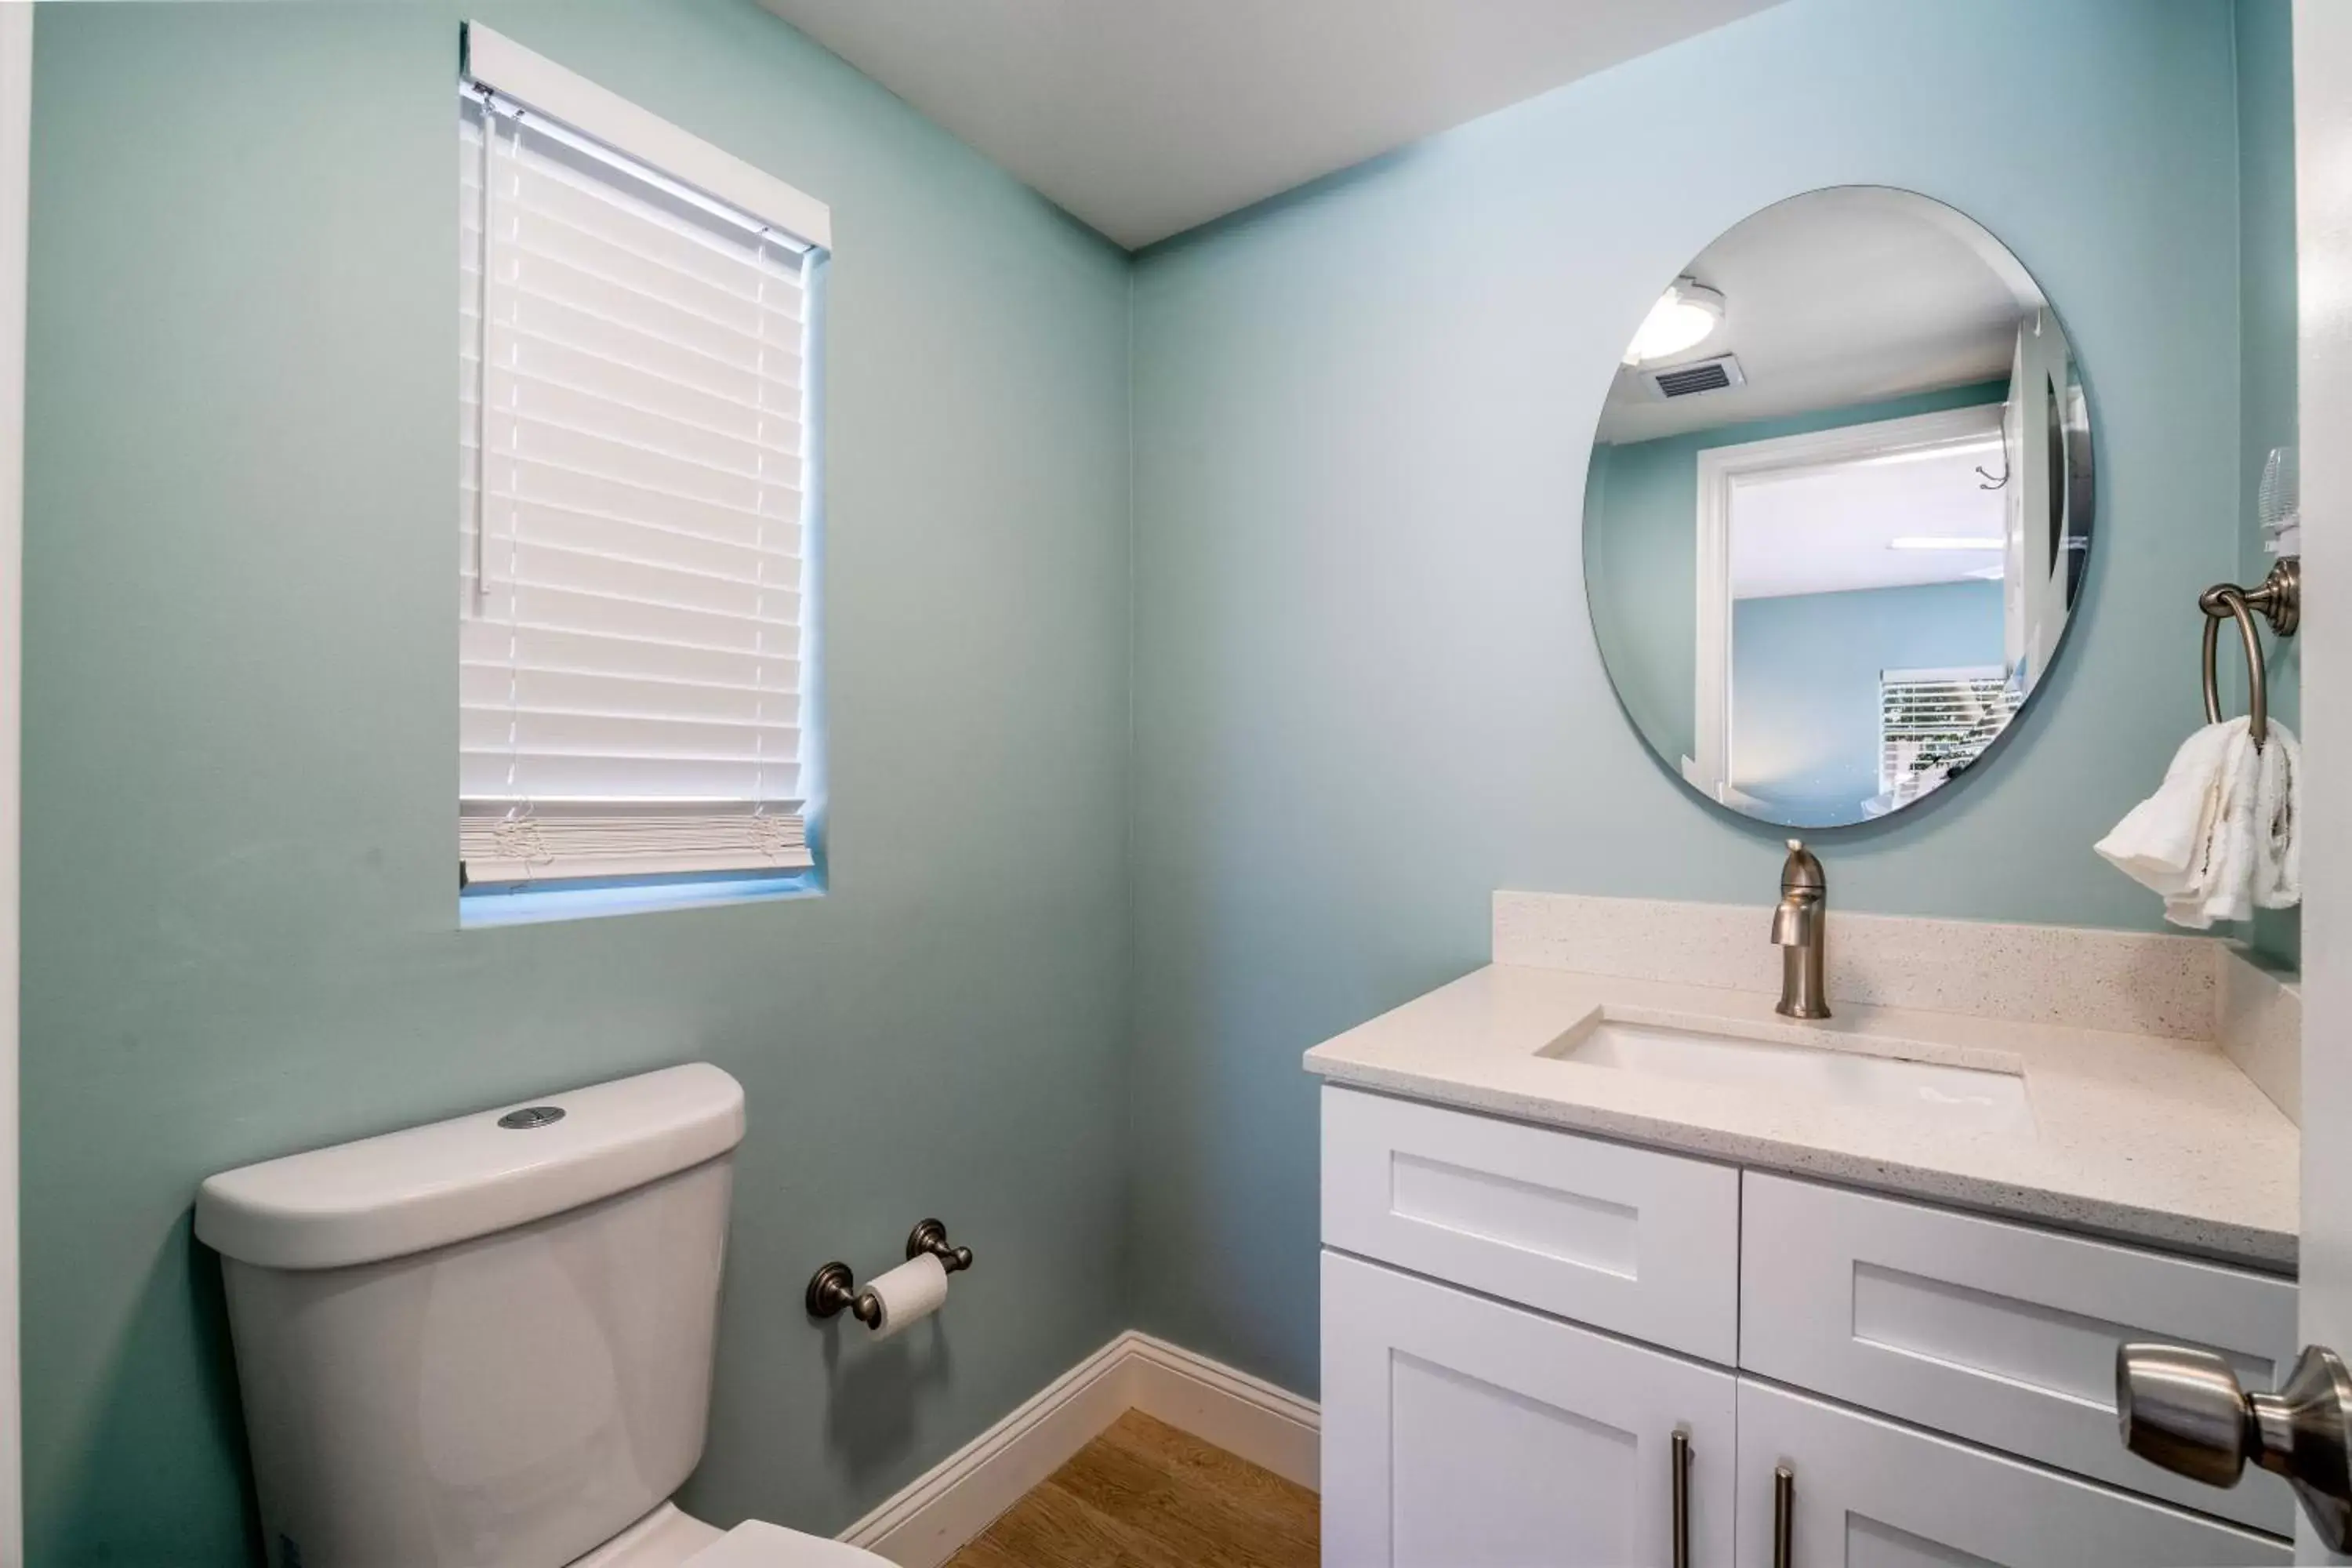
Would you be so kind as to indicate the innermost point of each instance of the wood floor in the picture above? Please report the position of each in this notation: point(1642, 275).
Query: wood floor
point(1144, 1495)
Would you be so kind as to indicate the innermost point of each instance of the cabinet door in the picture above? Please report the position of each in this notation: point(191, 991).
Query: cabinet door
point(1461, 1433)
point(1872, 1494)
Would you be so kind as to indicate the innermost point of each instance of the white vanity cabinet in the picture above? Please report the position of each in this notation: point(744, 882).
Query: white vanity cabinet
point(1517, 1321)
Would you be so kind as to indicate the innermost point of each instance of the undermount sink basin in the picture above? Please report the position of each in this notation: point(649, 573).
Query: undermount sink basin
point(1860, 1071)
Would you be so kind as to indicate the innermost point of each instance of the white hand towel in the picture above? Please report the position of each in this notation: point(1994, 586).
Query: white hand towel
point(2223, 888)
point(2278, 810)
point(2165, 842)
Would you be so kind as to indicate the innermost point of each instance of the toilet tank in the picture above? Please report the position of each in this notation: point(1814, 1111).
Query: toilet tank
point(487, 1341)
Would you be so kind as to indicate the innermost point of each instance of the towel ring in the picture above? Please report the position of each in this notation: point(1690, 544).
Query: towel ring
point(2279, 600)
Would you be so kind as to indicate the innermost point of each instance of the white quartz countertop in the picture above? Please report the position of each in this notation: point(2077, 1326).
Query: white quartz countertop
point(2161, 1142)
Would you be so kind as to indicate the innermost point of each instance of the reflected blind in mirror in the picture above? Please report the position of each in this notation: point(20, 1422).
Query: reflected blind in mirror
point(1933, 722)
point(634, 476)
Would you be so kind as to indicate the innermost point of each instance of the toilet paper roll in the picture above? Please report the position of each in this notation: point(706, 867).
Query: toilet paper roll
point(908, 1293)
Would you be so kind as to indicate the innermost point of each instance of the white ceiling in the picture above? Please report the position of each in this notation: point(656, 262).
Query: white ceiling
point(1835, 298)
point(1147, 117)
point(1828, 530)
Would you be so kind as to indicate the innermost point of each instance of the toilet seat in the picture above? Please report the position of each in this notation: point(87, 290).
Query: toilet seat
point(755, 1543)
point(671, 1538)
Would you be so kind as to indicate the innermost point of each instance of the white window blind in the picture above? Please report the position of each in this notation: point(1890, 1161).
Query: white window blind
point(633, 496)
point(1933, 722)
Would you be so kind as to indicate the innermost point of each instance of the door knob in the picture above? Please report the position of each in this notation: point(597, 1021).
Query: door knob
point(2184, 1409)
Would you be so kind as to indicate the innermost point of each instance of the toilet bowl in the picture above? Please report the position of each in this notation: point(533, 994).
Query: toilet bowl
point(490, 1342)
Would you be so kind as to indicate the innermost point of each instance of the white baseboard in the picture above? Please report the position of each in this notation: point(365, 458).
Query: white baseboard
point(925, 1524)
point(1269, 1427)
point(957, 1499)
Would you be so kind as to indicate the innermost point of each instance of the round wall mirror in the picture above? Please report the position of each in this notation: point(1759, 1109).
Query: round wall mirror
point(1839, 507)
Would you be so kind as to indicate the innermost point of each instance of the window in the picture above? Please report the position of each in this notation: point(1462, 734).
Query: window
point(634, 490)
point(1932, 723)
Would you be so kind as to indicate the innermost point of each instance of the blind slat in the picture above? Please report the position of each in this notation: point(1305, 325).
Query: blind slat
point(736, 412)
point(496, 846)
point(665, 471)
point(644, 424)
point(545, 190)
point(539, 778)
point(607, 539)
point(632, 486)
point(533, 318)
point(507, 646)
point(567, 691)
point(606, 615)
point(520, 565)
point(523, 275)
point(618, 734)
point(671, 514)
point(541, 235)
point(526, 479)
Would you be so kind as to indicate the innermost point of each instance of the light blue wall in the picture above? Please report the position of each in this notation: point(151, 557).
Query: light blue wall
point(241, 743)
point(1805, 684)
point(1365, 688)
point(1366, 685)
point(2266, 372)
point(1640, 552)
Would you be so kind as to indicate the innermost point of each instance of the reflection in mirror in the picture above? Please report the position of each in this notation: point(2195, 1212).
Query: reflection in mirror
point(1839, 507)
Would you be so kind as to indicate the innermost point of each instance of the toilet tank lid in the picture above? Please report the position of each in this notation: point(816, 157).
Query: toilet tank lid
point(430, 1186)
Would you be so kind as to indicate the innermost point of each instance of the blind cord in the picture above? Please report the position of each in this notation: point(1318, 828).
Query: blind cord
point(482, 376)
point(482, 485)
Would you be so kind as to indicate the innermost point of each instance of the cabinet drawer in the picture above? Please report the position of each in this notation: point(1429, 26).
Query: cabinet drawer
point(1461, 1433)
point(1997, 1332)
point(1867, 1491)
point(1646, 1245)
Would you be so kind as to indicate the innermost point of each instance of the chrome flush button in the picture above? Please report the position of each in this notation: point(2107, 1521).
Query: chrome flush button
point(532, 1116)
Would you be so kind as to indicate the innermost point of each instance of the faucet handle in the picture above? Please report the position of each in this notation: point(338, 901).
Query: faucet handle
point(1802, 872)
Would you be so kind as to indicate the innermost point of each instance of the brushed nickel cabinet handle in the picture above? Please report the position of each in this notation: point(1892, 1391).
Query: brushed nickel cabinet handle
point(1784, 1517)
point(1680, 1457)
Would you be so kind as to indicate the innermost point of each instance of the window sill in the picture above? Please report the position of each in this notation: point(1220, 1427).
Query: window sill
point(538, 906)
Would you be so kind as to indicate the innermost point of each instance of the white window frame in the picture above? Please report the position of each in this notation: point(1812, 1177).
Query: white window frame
point(1721, 469)
point(508, 78)
point(498, 62)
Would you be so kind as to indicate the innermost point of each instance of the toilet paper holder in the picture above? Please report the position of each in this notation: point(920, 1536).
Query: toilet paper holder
point(834, 1287)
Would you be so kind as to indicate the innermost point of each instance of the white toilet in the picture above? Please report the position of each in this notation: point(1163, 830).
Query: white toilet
point(488, 1343)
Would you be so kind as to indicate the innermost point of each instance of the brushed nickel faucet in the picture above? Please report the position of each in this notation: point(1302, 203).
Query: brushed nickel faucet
point(1801, 931)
